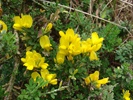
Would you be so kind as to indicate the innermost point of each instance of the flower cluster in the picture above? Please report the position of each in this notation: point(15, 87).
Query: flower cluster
point(71, 45)
point(34, 59)
point(25, 21)
point(126, 95)
point(94, 78)
point(92, 45)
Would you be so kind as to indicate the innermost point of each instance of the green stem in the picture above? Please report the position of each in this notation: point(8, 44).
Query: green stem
point(14, 72)
point(56, 90)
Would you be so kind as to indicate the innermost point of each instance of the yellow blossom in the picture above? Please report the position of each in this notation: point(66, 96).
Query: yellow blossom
point(51, 78)
point(25, 21)
point(34, 59)
point(75, 47)
point(126, 95)
point(34, 75)
point(48, 27)
point(101, 82)
point(84, 46)
point(69, 46)
point(60, 58)
point(64, 41)
point(91, 45)
point(3, 26)
point(95, 39)
point(45, 43)
point(94, 78)
point(93, 56)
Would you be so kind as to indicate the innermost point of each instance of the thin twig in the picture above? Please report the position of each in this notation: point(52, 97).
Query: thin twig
point(106, 5)
point(56, 90)
point(90, 6)
point(126, 2)
point(38, 4)
point(44, 1)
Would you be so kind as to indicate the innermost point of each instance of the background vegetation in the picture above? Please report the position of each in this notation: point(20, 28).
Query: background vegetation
point(111, 19)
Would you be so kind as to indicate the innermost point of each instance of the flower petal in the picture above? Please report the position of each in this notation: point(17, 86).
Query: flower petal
point(93, 56)
point(34, 75)
point(3, 26)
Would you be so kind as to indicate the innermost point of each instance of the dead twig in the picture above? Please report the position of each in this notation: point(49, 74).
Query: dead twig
point(70, 8)
point(126, 2)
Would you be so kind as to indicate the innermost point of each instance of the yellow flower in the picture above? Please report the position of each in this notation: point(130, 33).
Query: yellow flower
point(34, 75)
point(84, 46)
point(95, 39)
point(71, 35)
point(94, 44)
point(64, 41)
point(101, 82)
point(60, 58)
point(91, 45)
point(69, 46)
point(3, 26)
point(93, 56)
point(94, 78)
point(48, 27)
point(51, 78)
point(25, 21)
point(70, 57)
point(126, 95)
point(75, 47)
point(29, 60)
point(45, 43)
point(34, 59)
